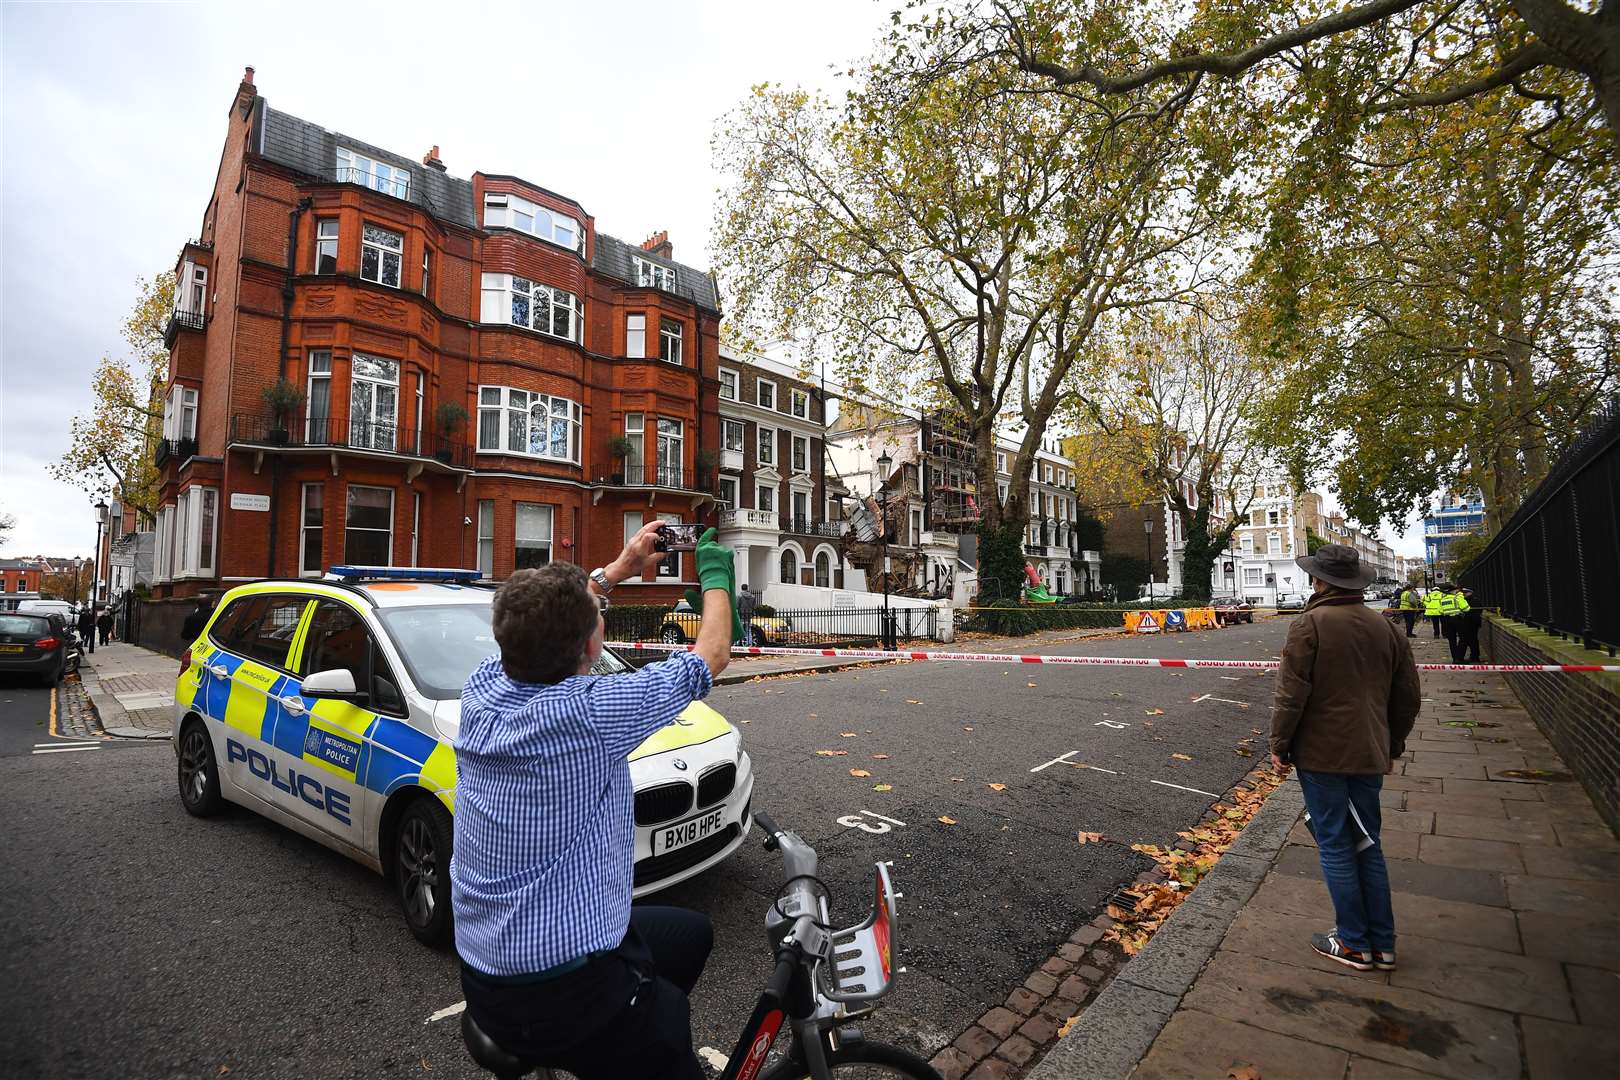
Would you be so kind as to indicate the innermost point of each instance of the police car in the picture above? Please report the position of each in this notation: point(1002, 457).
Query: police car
point(330, 705)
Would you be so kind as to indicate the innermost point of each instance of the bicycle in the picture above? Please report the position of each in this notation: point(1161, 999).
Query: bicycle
point(819, 972)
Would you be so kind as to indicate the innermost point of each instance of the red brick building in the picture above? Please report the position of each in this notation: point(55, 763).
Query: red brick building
point(472, 375)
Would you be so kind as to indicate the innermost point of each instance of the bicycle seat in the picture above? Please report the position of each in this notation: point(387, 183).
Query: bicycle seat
point(489, 1054)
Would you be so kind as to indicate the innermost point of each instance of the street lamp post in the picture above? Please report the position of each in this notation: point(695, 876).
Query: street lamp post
point(78, 578)
point(95, 566)
point(1147, 527)
point(884, 463)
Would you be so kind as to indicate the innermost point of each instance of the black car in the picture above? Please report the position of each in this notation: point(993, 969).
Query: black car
point(36, 644)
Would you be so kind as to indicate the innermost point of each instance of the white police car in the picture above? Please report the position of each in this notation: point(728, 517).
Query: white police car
point(329, 706)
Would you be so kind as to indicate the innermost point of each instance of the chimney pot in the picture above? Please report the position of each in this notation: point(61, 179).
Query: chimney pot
point(658, 243)
point(431, 159)
point(247, 75)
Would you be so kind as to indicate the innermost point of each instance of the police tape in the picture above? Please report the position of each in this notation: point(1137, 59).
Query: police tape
point(1087, 661)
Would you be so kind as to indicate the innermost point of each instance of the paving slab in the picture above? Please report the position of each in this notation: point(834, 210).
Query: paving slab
point(1412, 783)
point(1198, 1045)
point(1596, 837)
point(1446, 767)
point(1412, 821)
point(1579, 940)
point(1442, 882)
point(1553, 1051)
point(1445, 920)
point(1531, 985)
point(1473, 827)
point(1492, 789)
point(1393, 1024)
point(1580, 899)
point(1572, 862)
point(1473, 805)
point(1370, 1069)
point(1597, 995)
point(1492, 855)
point(1554, 812)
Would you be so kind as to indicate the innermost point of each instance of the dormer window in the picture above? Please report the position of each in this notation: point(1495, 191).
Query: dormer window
point(502, 210)
point(650, 275)
point(354, 167)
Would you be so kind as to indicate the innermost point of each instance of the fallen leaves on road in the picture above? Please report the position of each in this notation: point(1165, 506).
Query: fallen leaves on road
point(832, 753)
point(1031, 685)
point(880, 757)
point(957, 780)
point(859, 772)
point(1155, 712)
point(947, 821)
point(846, 735)
point(1181, 757)
point(1067, 1025)
point(998, 787)
point(1091, 837)
point(1243, 1072)
point(966, 727)
point(882, 787)
point(1184, 869)
point(912, 701)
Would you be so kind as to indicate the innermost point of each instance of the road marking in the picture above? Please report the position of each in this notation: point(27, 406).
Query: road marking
point(714, 1057)
point(70, 742)
point(1093, 768)
point(1232, 678)
point(880, 817)
point(1178, 787)
point(453, 1010)
point(1227, 700)
point(52, 728)
point(66, 749)
point(1055, 760)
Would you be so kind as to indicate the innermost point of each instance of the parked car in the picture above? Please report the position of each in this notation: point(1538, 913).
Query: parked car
point(681, 625)
point(35, 643)
point(1232, 609)
point(50, 607)
point(1291, 601)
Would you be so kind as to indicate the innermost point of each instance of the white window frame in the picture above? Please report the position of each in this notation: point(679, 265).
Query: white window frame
point(548, 513)
point(729, 427)
point(736, 384)
point(503, 210)
point(191, 289)
point(916, 521)
point(727, 492)
point(354, 167)
point(799, 403)
point(370, 243)
point(191, 507)
point(635, 337)
point(1253, 575)
point(326, 244)
point(380, 433)
point(510, 402)
point(759, 387)
point(486, 538)
point(635, 430)
point(320, 370)
point(501, 291)
point(633, 520)
point(651, 275)
point(781, 561)
point(793, 454)
point(670, 448)
point(1274, 544)
point(305, 528)
point(671, 337)
point(764, 493)
point(765, 445)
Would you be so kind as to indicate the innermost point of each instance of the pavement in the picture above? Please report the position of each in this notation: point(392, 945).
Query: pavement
point(132, 689)
point(1505, 891)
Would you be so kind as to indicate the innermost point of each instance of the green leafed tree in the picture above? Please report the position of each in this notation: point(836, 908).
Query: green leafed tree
point(110, 448)
point(952, 240)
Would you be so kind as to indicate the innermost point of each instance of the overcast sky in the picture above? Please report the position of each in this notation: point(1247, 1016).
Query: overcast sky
point(114, 116)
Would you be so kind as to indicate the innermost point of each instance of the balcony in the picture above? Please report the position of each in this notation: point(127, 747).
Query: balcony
point(630, 473)
point(265, 432)
point(741, 518)
point(806, 527)
point(731, 460)
point(182, 320)
point(179, 450)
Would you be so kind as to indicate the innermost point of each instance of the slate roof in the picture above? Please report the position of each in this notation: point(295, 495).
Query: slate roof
point(613, 259)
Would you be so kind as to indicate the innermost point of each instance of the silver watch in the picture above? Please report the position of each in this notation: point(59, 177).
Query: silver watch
point(599, 575)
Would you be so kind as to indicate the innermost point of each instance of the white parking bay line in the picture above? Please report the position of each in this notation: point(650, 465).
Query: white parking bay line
point(1178, 787)
point(1055, 761)
point(1231, 678)
point(67, 749)
point(66, 742)
point(454, 1010)
point(1225, 700)
point(715, 1058)
point(880, 817)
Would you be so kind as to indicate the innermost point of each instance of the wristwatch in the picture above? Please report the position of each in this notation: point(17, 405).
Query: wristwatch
point(599, 575)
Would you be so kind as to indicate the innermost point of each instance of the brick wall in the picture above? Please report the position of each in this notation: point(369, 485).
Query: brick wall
point(1579, 714)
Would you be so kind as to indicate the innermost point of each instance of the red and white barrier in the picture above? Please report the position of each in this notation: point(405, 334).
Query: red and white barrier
point(1089, 661)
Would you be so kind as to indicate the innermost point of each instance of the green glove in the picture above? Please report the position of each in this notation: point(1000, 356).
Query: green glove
point(716, 569)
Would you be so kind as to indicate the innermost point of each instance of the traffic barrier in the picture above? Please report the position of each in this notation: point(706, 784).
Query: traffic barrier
point(1154, 620)
point(1088, 661)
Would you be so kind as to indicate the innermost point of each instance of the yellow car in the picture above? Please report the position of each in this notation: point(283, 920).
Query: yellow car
point(681, 625)
point(331, 706)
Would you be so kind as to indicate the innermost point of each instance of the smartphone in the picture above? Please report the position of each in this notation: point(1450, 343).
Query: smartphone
point(678, 536)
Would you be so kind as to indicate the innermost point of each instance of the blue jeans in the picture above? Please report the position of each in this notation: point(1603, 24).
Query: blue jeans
point(1357, 881)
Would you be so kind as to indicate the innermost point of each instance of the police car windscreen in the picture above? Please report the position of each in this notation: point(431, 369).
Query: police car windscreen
point(442, 644)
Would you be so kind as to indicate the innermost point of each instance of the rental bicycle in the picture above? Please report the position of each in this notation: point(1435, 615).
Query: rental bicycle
point(824, 981)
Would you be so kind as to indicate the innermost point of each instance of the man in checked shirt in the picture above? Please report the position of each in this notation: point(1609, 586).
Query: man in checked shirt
point(557, 967)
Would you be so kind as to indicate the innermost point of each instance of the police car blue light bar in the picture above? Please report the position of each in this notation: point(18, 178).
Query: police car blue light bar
point(401, 573)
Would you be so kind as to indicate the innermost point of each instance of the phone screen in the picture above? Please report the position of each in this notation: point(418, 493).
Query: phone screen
point(678, 536)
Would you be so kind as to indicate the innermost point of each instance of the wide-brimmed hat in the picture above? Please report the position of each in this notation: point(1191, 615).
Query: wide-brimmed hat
point(1337, 565)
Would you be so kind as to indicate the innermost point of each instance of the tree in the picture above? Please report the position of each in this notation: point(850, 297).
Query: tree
point(951, 243)
point(68, 585)
point(110, 449)
point(7, 523)
point(1444, 306)
point(1431, 53)
point(1462, 552)
point(1313, 540)
point(1175, 402)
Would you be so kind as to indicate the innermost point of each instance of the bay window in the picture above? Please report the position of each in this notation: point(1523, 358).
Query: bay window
point(319, 417)
point(527, 422)
point(180, 414)
point(635, 337)
point(508, 298)
point(373, 401)
point(381, 251)
point(532, 536)
point(326, 244)
point(669, 341)
point(671, 441)
point(515, 212)
point(193, 534)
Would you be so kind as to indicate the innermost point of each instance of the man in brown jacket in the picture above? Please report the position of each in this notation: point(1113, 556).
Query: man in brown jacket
point(1347, 694)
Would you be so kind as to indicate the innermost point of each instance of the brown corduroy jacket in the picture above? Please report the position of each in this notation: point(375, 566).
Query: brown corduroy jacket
point(1347, 691)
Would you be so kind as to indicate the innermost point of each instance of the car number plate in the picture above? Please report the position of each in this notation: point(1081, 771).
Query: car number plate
point(11, 648)
point(668, 838)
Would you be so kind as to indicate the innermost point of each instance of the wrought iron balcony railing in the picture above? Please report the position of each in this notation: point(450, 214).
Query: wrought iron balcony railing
point(182, 320)
point(318, 432)
point(631, 472)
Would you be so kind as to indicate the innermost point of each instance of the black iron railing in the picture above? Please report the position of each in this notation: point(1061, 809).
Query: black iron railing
point(1553, 565)
point(182, 320)
point(173, 449)
point(261, 429)
point(631, 473)
point(807, 527)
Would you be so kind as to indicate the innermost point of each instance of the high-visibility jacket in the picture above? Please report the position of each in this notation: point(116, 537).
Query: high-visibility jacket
point(1462, 601)
point(1448, 604)
point(1431, 602)
point(1409, 600)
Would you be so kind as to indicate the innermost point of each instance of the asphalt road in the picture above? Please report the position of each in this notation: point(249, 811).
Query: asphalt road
point(141, 942)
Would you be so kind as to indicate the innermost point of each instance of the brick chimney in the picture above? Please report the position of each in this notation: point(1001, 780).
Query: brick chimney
point(431, 159)
point(245, 93)
point(658, 243)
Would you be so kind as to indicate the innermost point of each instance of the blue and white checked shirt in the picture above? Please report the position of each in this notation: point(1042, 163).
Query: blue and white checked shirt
point(545, 827)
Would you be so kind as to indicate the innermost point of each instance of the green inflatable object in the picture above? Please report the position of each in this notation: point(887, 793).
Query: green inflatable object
point(1037, 594)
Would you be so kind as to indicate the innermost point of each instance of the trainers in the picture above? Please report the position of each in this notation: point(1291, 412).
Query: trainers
point(1383, 961)
point(1330, 946)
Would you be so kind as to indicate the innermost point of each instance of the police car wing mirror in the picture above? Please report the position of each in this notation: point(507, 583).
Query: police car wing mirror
point(336, 683)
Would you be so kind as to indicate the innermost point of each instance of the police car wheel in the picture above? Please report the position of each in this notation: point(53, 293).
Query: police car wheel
point(672, 635)
point(422, 869)
point(199, 775)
